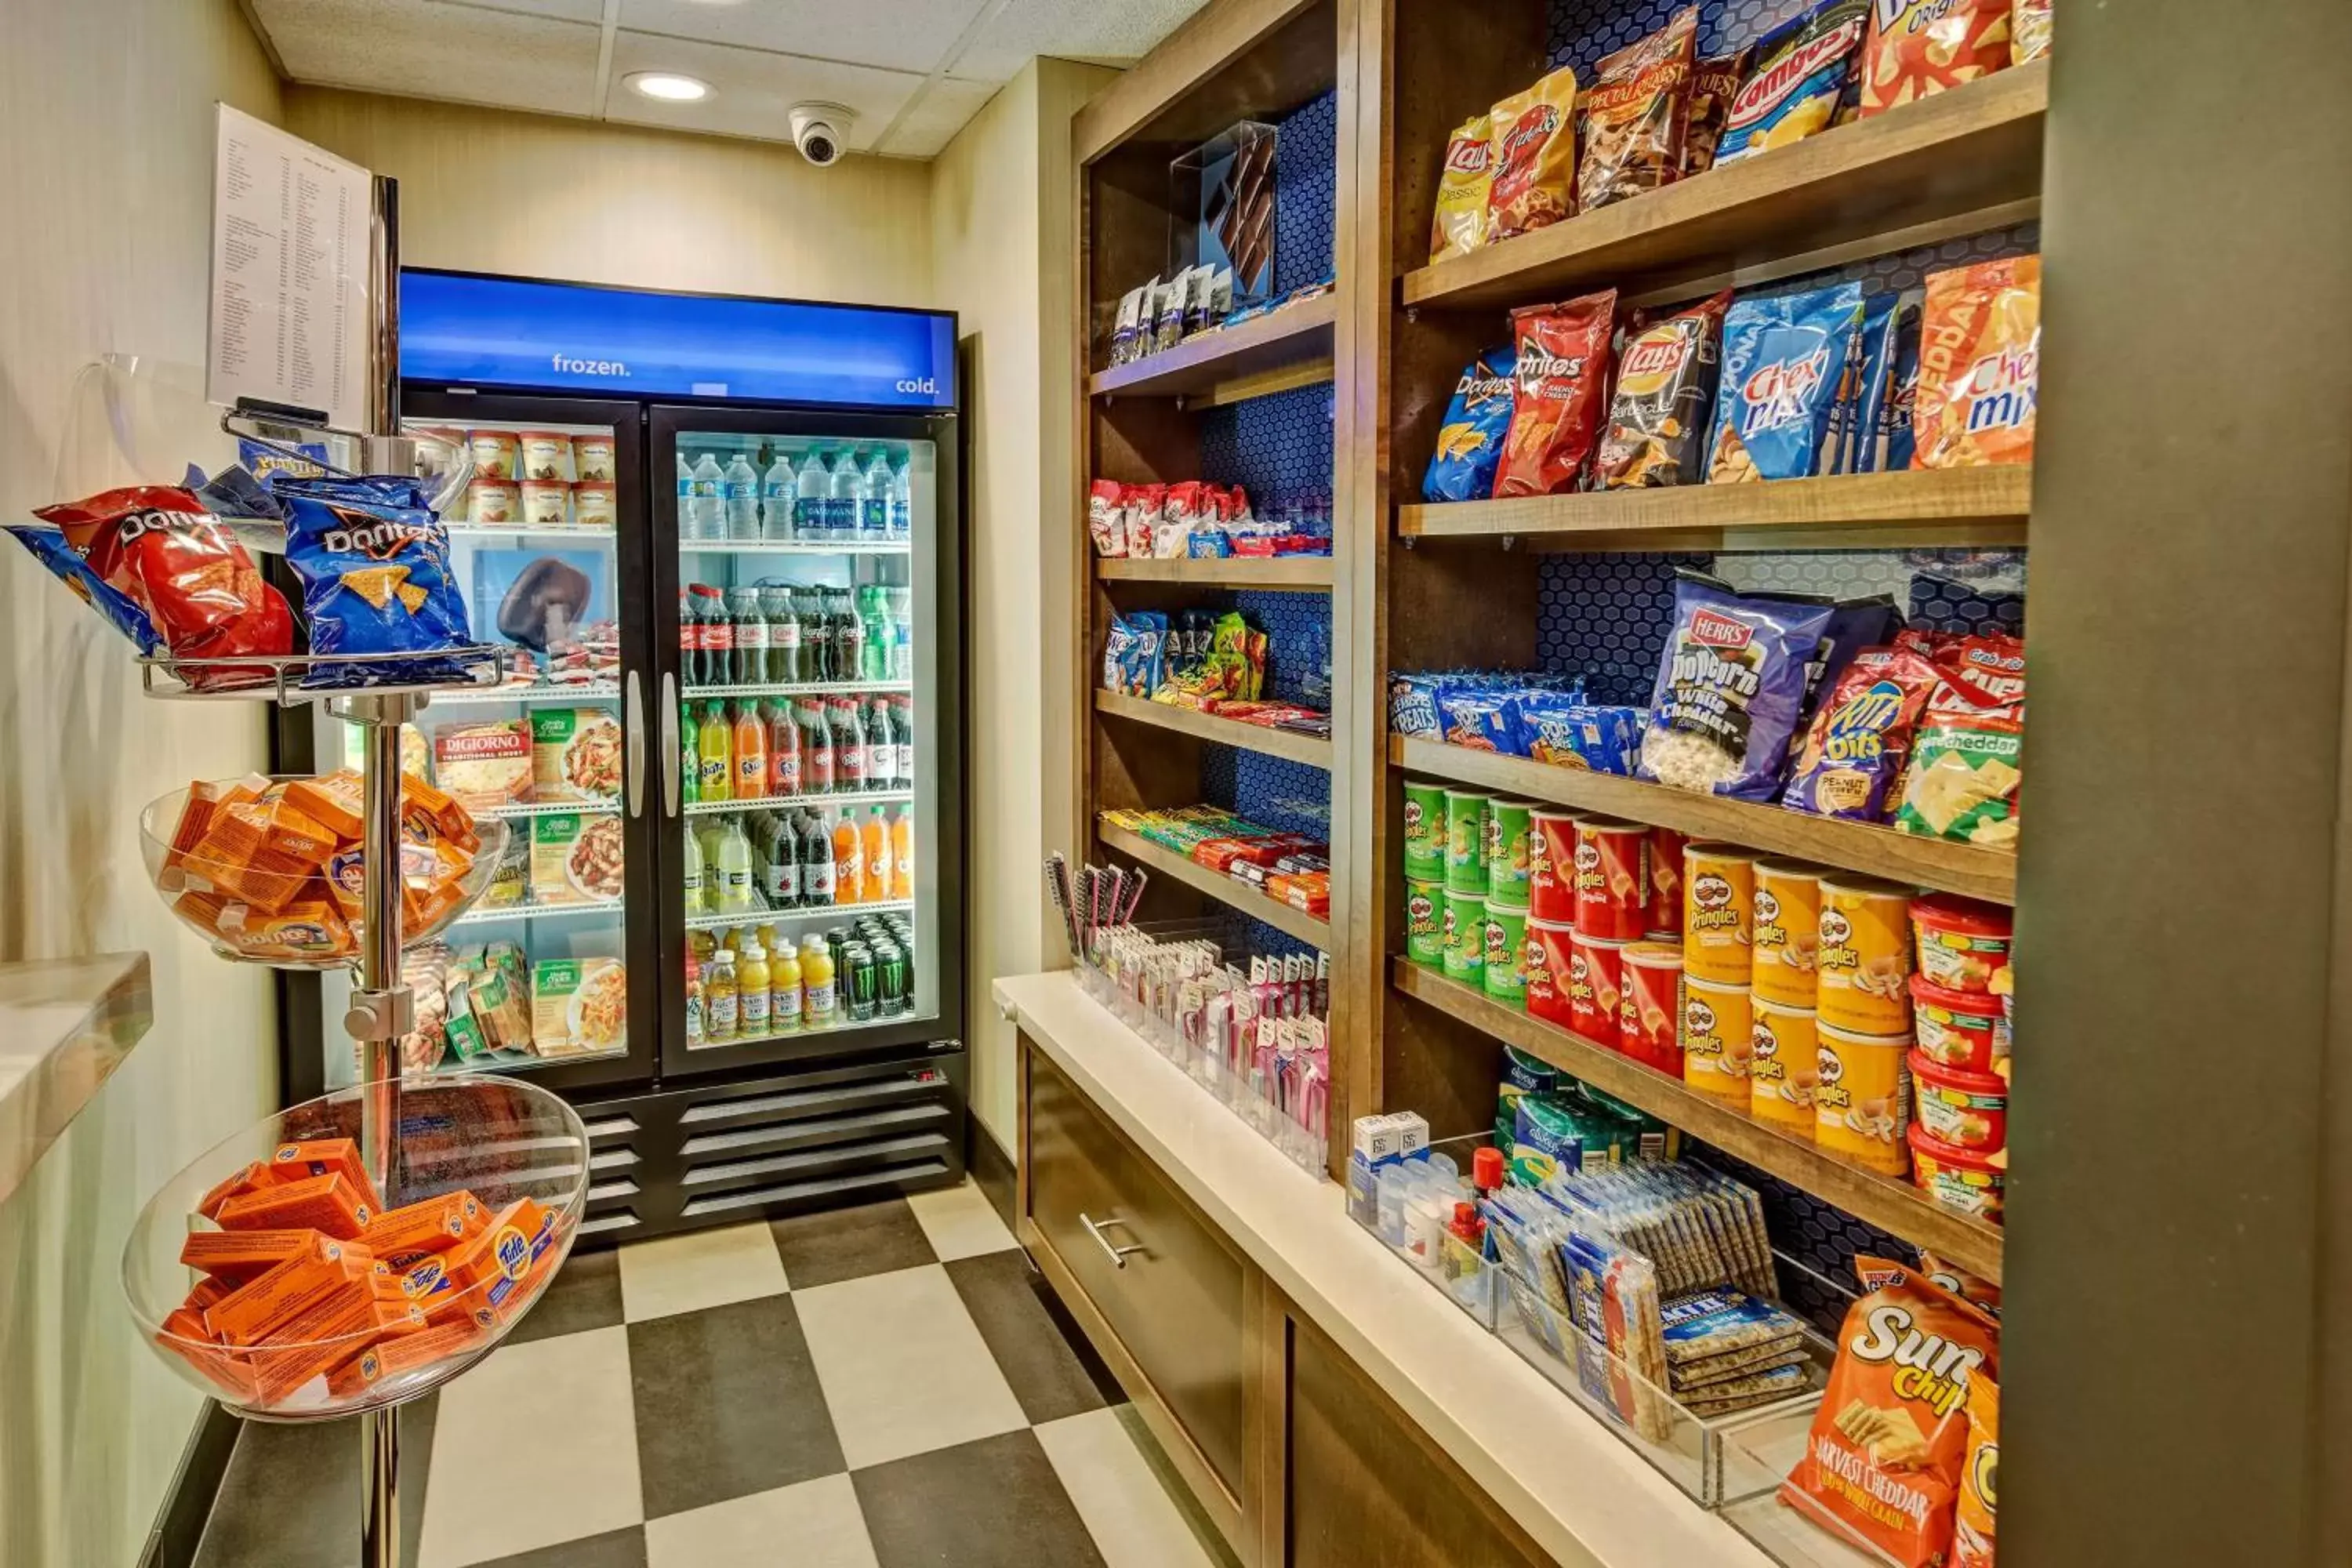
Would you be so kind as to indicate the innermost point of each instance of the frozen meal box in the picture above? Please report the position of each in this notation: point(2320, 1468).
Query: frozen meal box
point(575, 858)
point(575, 754)
point(579, 1007)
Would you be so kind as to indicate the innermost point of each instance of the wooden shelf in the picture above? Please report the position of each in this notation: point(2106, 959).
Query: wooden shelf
point(1277, 572)
point(1232, 59)
point(1980, 507)
point(1892, 1205)
point(1163, 862)
point(1311, 750)
point(1907, 857)
point(1284, 349)
point(1900, 178)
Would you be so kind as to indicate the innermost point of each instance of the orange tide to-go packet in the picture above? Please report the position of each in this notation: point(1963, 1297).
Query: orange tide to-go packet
point(1884, 1455)
point(1979, 364)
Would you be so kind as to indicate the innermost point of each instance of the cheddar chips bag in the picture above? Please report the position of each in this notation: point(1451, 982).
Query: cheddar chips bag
point(1979, 366)
point(1460, 223)
point(1534, 163)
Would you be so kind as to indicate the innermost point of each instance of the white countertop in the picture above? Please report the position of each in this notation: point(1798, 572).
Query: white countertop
point(1582, 1494)
point(64, 1025)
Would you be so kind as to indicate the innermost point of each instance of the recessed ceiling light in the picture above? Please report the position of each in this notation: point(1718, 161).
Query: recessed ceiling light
point(668, 86)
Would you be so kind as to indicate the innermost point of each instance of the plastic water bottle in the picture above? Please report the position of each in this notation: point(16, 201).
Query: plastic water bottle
point(776, 494)
point(809, 499)
point(707, 511)
point(847, 501)
point(902, 502)
point(873, 517)
point(685, 498)
point(741, 489)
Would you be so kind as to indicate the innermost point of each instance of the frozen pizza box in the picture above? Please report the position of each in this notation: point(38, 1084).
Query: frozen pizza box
point(575, 754)
point(484, 765)
point(579, 1007)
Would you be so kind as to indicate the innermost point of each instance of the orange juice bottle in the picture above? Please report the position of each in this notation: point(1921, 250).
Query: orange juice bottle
point(848, 862)
point(902, 854)
point(784, 996)
point(877, 856)
point(821, 1006)
point(750, 752)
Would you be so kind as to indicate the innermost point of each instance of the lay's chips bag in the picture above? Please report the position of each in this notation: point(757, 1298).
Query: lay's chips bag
point(1470, 442)
point(1459, 227)
point(375, 564)
point(1784, 363)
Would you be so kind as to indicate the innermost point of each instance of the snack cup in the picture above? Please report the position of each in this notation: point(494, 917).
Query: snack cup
point(1664, 920)
point(1551, 866)
point(1506, 944)
point(1596, 997)
point(1550, 966)
point(1465, 840)
point(1425, 832)
point(1612, 880)
point(1784, 1066)
point(1865, 955)
point(1863, 1100)
point(1958, 1178)
point(1962, 943)
point(1786, 931)
point(1719, 910)
point(1424, 924)
point(1463, 932)
point(1955, 1029)
point(1649, 1016)
point(1717, 1039)
point(1507, 855)
point(1967, 1110)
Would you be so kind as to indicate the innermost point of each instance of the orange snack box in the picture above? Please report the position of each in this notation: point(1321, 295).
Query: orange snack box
point(327, 802)
point(426, 814)
point(200, 906)
point(436, 1224)
point(501, 1255)
point(253, 1309)
point(207, 1293)
point(326, 1156)
point(183, 1334)
point(327, 1204)
point(321, 1339)
point(265, 882)
point(239, 1257)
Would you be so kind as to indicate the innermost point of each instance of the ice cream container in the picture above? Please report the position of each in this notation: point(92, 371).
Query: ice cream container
point(592, 459)
point(497, 455)
point(546, 503)
point(493, 501)
point(546, 455)
point(595, 504)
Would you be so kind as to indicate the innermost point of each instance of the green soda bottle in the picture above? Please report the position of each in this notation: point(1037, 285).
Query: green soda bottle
point(690, 760)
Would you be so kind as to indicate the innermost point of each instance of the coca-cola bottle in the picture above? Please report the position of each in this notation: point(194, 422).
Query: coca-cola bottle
point(718, 638)
point(849, 755)
point(881, 747)
point(816, 634)
point(784, 635)
point(849, 635)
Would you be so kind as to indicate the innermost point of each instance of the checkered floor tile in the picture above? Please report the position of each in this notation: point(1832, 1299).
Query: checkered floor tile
point(876, 1387)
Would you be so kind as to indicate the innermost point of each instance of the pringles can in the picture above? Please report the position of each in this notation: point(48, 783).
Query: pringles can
point(1650, 1016)
point(1862, 1102)
point(1551, 865)
point(1507, 855)
point(1425, 831)
point(1717, 1035)
point(1465, 936)
point(1613, 881)
point(1784, 1066)
point(1507, 942)
point(1424, 923)
point(1597, 989)
point(1550, 967)
point(1718, 906)
point(1785, 930)
point(1465, 840)
point(1664, 916)
point(1863, 956)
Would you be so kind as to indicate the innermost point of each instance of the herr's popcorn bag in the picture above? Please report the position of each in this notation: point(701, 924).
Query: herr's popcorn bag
point(1730, 688)
point(1634, 116)
point(1470, 441)
point(1560, 394)
point(1784, 361)
point(375, 564)
point(1979, 366)
point(1921, 46)
point(1656, 432)
point(1884, 1455)
point(1800, 74)
point(1459, 225)
point(1534, 165)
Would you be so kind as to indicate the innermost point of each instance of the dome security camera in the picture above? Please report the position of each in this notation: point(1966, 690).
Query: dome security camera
point(819, 131)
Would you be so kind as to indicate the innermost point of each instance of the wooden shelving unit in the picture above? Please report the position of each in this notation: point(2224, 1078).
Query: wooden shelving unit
point(1284, 349)
point(1312, 750)
point(1894, 1206)
point(1305, 573)
point(1163, 862)
point(1899, 856)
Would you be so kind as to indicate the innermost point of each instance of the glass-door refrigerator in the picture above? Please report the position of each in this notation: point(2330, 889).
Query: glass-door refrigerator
point(729, 927)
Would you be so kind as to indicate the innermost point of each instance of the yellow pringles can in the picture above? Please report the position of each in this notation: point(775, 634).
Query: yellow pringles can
point(1786, 931)
point(1783, 1067)
point(1718, 905)
point(1717, 1035)
point(1862, 1102)
point(1863, 956)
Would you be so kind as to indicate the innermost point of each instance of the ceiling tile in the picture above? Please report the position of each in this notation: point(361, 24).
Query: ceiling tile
point(932, 123)
point(426, 48)
point(1110, 30)
point(588, 11)
point(751, 93)
point(897, 35)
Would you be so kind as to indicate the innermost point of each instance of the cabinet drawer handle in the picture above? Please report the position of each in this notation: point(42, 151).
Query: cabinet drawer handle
point(1094, 1228)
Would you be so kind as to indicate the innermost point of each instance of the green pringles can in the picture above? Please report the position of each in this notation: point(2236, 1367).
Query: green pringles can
point(1507, 854)
point(1424, 923)
point(1425, 832)
point(1506, 947)
point(1465, 936)
point(1465, 840)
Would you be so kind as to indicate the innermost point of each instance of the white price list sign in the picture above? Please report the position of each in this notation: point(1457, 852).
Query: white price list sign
point(289, 285)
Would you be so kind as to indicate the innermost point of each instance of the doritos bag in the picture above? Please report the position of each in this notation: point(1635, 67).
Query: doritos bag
point(1979, 364)
point(1883, 1457)
point(1459, 226)
point(1784, 358)
point(375, 564)
point(1534, 164)
point(50, 548)
point(1800, 74)
point(1470, 442)
point(1561, 385)
point(1633, 116)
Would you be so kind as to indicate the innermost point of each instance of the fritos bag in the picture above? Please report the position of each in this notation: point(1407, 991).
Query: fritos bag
point(1884, 1455)
point(1917, 47)
point(1633, 116)
point(1979, 362)
point(1533, 182)
point(1560, 391)
point(1973, 1531)
point(1459, 225)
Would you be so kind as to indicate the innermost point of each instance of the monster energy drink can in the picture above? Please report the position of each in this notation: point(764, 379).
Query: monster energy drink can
point(861, 982)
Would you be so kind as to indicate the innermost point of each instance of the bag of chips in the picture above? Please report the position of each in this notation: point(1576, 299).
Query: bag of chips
point(200, 592)
point(1866, 422)
point(375, 564)
point(1917, 47)
point(1979, 362)
point(1854, 750)
point(1884, 1457)
point(1965, 763)
point(1470, 442)
point(50, 548)
point(1634, 114)
point(1459, 225)
point(1784, 358)
point(1973, 1528)
point(2029, 26)
point(1561, 381)
point(1104, 523)
point(1533, 182)
point(1706, 106)
point(1730, 685)
point(1800, 74)
point(1665, 388)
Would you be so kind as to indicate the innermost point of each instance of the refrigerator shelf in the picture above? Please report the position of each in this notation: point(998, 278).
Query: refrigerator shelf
point(552, 809)
point(464, 531)
point(844, 1027)
point(775, 802)
point(810, 913)
point(804, 688)
point(538, 912)
point(793, 547)
point(584, 691)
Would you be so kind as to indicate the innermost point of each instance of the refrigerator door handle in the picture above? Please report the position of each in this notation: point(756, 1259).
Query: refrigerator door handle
point(669, 744)
point(636, 748)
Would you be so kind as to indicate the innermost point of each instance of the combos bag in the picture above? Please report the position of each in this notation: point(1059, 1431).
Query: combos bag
point(1729, 689)
point(1800, 74)
point(375, 564)
point(1459, 226)
point(1921, 46)
point(1784, 362)
point(1561, 385)
point(1470, 442)
point(1980, 361)
point(1666, 385)
point(1884, 1455)
point(1634, 116)
point(1533, 182)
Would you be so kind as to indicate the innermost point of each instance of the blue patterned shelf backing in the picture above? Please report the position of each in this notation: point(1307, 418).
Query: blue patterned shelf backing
point(1583, 33)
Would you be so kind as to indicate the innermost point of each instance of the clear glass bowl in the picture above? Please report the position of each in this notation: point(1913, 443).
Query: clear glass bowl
point(497, 1138)
point(337, 944)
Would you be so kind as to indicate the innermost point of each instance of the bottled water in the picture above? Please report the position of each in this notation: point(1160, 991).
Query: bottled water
point(809, 501)
point(902, 503)
point(685, 498)
point(776, 493)
point(709, 518)
point(739, 488)
point(873, 517)
point(847, 501)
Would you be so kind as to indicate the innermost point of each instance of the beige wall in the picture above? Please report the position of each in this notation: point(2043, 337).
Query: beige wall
point(106, 192)
point(1002, 254)
point(487, 190)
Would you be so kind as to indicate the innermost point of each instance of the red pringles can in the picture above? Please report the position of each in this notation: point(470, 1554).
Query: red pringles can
point(1612, 880)
point(1551, 866)
point(1596, 979)
point(1665, 918)
point(1549, 961)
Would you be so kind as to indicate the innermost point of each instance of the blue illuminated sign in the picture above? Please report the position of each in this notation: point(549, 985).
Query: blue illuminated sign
point(576, 337)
